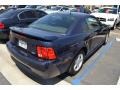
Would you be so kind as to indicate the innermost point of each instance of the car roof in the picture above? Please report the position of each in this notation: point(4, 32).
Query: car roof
point(15, 11)
point(18, 10)
point(24, 9)
point(76, 14)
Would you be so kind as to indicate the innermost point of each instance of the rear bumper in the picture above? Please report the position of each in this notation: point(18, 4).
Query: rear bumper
point(43, 69)
point(4, 34)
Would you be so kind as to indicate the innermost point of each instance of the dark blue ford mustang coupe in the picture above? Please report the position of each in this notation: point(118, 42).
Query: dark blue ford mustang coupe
point(57, 43)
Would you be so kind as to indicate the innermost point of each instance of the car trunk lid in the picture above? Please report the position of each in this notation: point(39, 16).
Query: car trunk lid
point(36, 33)
point(27, 39)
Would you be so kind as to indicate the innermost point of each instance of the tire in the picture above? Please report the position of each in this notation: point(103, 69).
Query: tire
point(106, 39)
point(115, 25)
point(77, 63)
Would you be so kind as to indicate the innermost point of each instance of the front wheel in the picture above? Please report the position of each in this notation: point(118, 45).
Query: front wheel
point(106, 39)
point(77, 63)
point(115, 25)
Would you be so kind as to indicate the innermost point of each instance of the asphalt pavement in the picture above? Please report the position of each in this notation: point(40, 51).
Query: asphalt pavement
point(3, 80)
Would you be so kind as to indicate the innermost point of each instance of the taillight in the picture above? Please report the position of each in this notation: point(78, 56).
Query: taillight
point(46, 53)
point(2, 26)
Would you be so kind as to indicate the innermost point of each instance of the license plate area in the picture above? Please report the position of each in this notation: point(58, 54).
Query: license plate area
point(22, 44)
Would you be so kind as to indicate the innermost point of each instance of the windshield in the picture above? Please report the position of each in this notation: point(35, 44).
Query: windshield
point(57, 23)
point(108, 10)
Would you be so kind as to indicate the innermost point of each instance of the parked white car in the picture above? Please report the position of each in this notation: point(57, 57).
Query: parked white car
point(2, 7)
point(108, 15)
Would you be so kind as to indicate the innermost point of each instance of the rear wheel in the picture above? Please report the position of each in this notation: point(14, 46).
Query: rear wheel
point(77, 63)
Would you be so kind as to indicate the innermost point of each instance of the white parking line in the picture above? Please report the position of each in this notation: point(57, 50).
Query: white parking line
point(118, 81)
point(118, 39)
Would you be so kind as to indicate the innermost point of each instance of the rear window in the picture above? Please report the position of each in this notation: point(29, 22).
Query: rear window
point(8, 14)
point(27, 15)
point(57, 23)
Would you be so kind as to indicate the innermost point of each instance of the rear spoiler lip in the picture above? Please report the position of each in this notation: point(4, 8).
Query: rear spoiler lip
point(19, 30)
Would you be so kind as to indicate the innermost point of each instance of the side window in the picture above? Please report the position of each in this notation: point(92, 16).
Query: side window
point(92, 24)
point(22, 15)
point(40, 14)
point(27, 15)
point(65, 8)
point(30, 14)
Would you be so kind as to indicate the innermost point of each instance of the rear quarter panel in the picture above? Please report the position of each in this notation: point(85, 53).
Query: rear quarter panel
point(69, 46)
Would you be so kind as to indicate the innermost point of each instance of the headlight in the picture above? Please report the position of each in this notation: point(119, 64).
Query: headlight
point(111, 19)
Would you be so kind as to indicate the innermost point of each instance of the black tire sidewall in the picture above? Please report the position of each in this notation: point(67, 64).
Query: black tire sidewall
point(115, 25)
point(106, 39)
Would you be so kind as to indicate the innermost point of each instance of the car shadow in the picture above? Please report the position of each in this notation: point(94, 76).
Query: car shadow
point(3, 41)
point(39, 79)
point(42, 81)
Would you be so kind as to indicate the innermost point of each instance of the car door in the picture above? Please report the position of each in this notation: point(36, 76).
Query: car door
point(95, 32)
